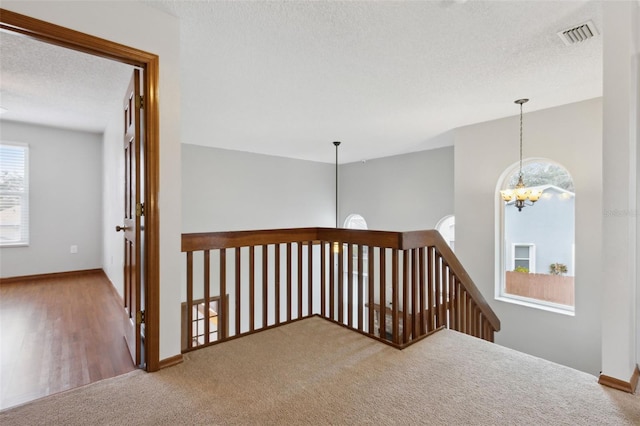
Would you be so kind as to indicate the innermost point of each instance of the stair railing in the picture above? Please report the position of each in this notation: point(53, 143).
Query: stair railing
point(397, 287)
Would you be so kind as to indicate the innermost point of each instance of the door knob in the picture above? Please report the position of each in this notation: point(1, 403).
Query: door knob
point(120, 228)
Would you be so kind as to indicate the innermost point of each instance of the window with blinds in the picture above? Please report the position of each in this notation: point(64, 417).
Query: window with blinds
point(14, 194)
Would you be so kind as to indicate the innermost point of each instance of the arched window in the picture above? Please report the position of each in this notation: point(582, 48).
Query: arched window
point(447, 228)
point(355, 221)
point(535, 246)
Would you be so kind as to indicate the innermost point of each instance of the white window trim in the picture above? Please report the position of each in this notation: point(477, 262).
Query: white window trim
point(354, 218)
point(24, 195)
point(439, 227)
point(501, 252)
point(532, 256)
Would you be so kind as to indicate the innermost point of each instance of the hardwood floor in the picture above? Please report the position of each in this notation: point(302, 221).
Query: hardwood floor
point(57, 333)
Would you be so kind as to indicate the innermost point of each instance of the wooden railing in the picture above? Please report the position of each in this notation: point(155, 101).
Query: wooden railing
point(391, 286)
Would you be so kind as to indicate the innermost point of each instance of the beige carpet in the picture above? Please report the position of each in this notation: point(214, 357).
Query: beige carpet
point(316, 372)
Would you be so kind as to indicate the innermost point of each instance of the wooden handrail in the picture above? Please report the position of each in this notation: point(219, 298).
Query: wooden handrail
point(425, 278)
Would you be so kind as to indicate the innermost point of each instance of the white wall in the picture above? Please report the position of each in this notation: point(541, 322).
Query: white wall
point(113, 201)
point(65, 204)
point(572, 136)
point(137, 25)
point(225, 190)
point(402, 193)
point(620, 87)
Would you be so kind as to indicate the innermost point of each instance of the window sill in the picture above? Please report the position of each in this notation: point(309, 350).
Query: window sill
point(535, 304)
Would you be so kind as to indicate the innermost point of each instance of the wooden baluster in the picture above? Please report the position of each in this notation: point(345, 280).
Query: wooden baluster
point(461, 304)
point(300, 275)
point(310, 278)
point(423, 291)
point(340, 284)
point(332, 281)
point(238, 262)
point(382, 322)
point(487, 332)
point(265, 285)
point(454, 304)
point(415, 295)
point(430, 289)
point(438, 286)
point(189, 324)
point(487, 329)
point(445, 294)
point(476, 320)
point(395, 297)
point(473, 319)
point(360, 288)
point(252, 290)
point(468, 313)
point(406, 303)
point(350, 285)
point(207, 295)
point(451, 300)
point(222, 305)
point(458, 296)
point(276, 280)
point(453, 297)
point(323, 279)
point(370, 282)
point(288, 281)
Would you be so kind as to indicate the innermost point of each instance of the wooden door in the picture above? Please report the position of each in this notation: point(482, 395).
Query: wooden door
point(133, 212)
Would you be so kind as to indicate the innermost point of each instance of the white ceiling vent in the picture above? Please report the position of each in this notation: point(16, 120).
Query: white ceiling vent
point(578, 33)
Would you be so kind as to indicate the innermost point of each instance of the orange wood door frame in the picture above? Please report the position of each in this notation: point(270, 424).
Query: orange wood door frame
point(65, 37)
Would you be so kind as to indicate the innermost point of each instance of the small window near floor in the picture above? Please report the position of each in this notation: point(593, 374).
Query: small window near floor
point(14, 194)
point(199, 314)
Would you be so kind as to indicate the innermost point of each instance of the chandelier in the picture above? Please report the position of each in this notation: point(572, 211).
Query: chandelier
point(522, 195)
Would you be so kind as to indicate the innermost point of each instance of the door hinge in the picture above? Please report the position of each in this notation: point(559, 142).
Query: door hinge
point(140, 317)
point(140, 209)
point(139, 102)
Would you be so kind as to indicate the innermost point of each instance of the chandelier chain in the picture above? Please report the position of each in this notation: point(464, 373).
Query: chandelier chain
point(521, 140)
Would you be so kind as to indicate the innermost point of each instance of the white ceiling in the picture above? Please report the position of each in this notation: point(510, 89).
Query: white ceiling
point(289, 77)
point(50, 85)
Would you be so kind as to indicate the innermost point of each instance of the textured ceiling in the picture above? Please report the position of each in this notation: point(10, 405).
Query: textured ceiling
point(288, 78)
point(46, 84)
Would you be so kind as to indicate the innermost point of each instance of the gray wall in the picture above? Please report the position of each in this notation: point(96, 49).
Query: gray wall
point(572, 136)
point(65, 202)
point(402, 193)
point(113, 201)
point(549, 224)
point(225, 190)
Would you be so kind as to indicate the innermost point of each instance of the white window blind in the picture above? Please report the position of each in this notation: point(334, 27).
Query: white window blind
point(14, 194)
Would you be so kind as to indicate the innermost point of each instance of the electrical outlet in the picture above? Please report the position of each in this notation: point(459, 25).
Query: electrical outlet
point(74, 249)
